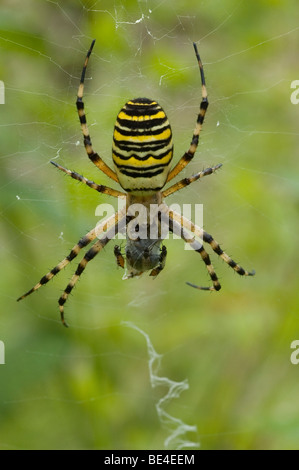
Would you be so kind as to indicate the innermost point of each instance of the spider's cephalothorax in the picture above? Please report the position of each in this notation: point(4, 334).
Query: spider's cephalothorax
point(142, 153)
point(143, 255)
point(145, 231)
point(142, 146)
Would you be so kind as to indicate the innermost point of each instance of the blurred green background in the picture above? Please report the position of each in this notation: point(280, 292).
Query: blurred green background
point(89, 386)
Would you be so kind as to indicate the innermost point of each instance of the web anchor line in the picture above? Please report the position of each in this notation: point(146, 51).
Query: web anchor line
point(178, 429)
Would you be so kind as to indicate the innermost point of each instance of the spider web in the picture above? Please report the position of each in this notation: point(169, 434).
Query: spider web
point(143, 48)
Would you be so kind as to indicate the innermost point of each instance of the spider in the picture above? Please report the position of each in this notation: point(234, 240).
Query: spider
point(142, 152)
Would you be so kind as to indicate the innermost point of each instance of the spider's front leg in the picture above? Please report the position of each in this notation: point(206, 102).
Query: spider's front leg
point(178, 229)
point(84, 241)
point(121, 221)
point(181, 222)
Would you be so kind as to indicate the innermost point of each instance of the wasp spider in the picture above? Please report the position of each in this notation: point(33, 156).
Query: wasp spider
point(142, 153)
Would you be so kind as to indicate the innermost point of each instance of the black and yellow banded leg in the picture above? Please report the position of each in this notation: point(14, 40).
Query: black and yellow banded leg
point(82, 243)
point(94, 250)
point(90, 255)
point(93, 156)
point(177, 229)
point(186, 181)
point(207, 238)
point(187, 157)
point(98, 187)
point(161, 264)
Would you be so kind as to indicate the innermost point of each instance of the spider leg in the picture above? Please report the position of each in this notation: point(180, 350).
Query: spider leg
point(161, 264)
point(93, 156)
point(91, 253)
point(186, 181)
point(98, 187)
point(120, 260)
point(207, 238)
point(84, 241)
point(187, 157)
point(177, 229)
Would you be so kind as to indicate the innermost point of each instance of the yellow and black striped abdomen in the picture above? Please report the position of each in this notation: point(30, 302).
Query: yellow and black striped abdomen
point(142, 146)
